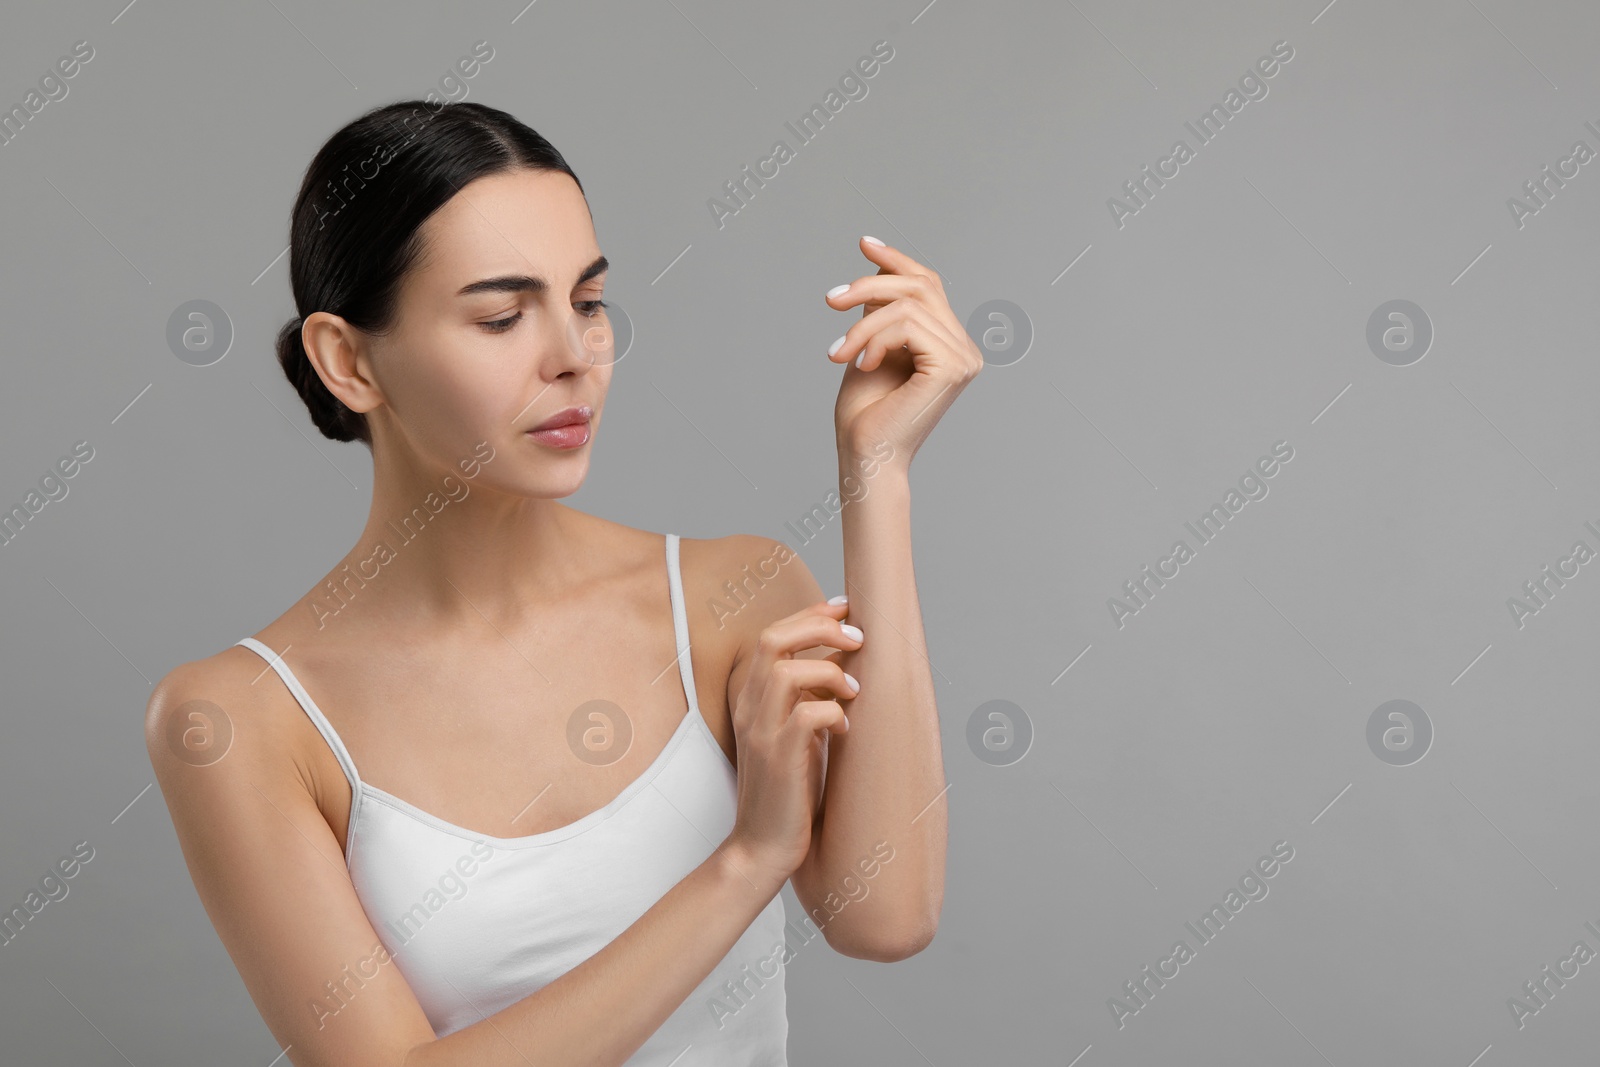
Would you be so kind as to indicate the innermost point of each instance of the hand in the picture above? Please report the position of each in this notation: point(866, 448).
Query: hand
point(780, 730)
point(916, 355)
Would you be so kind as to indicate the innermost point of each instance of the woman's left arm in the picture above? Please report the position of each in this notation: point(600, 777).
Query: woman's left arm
point(874, 879)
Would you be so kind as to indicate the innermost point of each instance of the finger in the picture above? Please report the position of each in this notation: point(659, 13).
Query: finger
point(789, 679)
point(893, 261)
point(837, 613)
point(945, 334)
point(879, 289)
point(819, 624)
point(813, 715)
point(821, 607)
point(905, 326)
point(855, 338)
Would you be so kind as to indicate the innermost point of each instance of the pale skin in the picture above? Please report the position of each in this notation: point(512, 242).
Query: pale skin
point(451, 677)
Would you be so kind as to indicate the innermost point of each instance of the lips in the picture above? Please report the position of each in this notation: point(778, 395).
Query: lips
point(567, 417)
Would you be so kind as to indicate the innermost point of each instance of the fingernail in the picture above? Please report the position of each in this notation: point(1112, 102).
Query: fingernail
point(852, 631)
point(840, 599)
point(838, 289)
point(835, 346)
point(855, 686)
point(859, 358)
point(873, 241)
point(846, 719)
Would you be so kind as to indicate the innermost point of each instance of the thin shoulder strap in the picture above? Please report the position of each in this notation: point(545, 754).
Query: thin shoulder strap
point(680, 622)
point(314, 713)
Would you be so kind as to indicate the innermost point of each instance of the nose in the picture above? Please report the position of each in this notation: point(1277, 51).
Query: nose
point(584, 343)
point(594, 340)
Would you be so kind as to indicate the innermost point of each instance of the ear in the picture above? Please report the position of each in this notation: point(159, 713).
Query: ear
point(339, 354)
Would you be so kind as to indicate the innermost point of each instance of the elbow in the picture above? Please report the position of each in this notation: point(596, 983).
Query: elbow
point(884, 944)
point(419, 1055)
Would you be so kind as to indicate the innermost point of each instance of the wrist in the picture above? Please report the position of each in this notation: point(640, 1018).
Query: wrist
point(872, 460)
point(743, 870)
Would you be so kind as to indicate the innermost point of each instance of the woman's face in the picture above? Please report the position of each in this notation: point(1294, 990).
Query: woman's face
point(497, 331)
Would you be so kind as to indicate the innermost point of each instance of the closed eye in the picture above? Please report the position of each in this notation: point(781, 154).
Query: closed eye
point(587, 308)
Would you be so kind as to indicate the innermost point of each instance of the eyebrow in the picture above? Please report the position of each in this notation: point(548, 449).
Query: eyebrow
point(529, 283)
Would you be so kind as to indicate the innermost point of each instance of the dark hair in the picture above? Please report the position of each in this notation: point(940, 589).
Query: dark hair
point(355, 230)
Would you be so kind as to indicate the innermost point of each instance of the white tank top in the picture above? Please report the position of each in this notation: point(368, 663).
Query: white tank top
point(475, 922)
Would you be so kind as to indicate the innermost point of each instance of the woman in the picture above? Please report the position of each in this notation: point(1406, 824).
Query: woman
point(580, 870)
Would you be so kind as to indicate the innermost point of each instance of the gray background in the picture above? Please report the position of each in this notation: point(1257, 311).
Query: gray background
point(1228, 314)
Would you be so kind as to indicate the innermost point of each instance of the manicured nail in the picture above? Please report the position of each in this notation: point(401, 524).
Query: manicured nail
point(873, 241)
point(846, 719)
point(859, 358)
point(853, 632)
point(835, 346)
point(838, 289)
point(840, 599)
point(855, 686)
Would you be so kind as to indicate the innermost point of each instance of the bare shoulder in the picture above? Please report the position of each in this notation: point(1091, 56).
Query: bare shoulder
point(205, 711)
point(185, 709)
point(734, 586)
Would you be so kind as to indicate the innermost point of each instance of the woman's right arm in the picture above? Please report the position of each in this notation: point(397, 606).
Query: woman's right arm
point(269, 871)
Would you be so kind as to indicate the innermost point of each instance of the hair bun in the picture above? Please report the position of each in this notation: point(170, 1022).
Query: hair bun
point(328, 412)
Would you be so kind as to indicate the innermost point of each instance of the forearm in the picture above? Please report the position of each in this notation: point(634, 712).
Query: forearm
point(885, 778)
point(601, 1011)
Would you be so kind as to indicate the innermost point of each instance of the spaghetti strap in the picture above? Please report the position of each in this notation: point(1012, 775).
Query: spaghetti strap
point(314, 713)
point(680, 622)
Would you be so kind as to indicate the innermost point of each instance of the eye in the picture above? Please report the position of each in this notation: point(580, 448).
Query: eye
point(594, 307)
point(501, 325)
